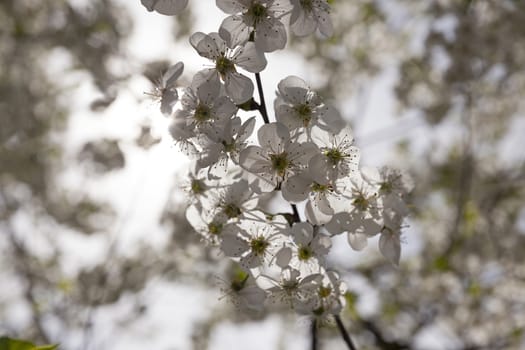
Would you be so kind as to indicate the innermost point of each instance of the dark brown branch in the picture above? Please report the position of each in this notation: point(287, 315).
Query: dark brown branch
point(344, 333)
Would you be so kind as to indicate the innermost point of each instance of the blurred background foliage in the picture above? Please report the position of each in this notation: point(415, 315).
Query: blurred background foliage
point(459, 68)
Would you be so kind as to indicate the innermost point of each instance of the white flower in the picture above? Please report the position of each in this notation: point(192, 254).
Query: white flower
point(195, 185)
point(277, 157)
point(256, 242)
point(297, 106)
point(238, 87)
point(309, 15)
point(260, 17)
point(203, 106)
point(320, 195)
point(236, 201)
point(223, 142)
point(210, 227)
point(338, 157)
point(394, 187)
point(243, 291)
point(390, 240)
point(184, 137)
point(308, 250)
point(165, 90)
point(294, 290)
point(360, 194)
point(358, 227)
point(165, 7)
point(330, 295)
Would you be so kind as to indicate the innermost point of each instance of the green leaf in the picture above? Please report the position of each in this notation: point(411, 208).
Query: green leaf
point(17, 344)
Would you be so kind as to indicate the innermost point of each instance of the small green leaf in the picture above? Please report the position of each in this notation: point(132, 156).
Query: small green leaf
point(17, 344)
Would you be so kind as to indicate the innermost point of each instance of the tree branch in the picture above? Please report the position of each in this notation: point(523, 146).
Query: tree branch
point(344, 333)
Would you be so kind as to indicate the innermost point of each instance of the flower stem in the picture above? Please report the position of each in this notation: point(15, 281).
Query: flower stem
point(313, 331)
point(344, 333)
point(296, 217)
point(262, 104)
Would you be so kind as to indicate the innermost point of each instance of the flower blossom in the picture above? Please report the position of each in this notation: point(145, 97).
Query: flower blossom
point(165, 7)
point(238, 87)
point(297, 106)
point(165, 90)
point(277, 157)
point(309, 15)
point(256, 242)
point(258, 17)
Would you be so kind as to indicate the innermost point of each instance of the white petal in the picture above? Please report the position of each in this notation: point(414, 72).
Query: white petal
point(172, 74)
point(251, 261)
point(288, 116)
point(230, 6)
point(283, 257)
point(302, 24)
point(193, 216)
point(270, 35)
point(293, 89)
point(224, 108)
point(390, 247)
point(325, 23)
point(314, 215)
point(252, 159)
point(339, 223)
point(319, 167)
point(303, 233)
point(205, 45)
point(165, 7)
point(322, 204)
point(299, 184)
point(321, 244)
point(233, 246)
point(331, 118)
point(301, 153)
point(238, 87)
point(251, 58)
point(206, 76)
point(273, 136)
point(234, 31)
point(246, 129)
point(291, 189)
point(168, 100)
point(357, 241)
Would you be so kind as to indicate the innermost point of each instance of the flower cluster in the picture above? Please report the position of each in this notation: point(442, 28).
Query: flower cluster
point(306, 158)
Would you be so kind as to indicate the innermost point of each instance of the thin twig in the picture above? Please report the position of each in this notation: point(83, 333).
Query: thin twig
point(262, 104)
point(296, 217)
point(344, 333)
point(313, 332)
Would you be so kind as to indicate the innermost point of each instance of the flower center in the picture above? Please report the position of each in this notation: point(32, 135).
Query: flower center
point(386, 187)
point(361, 202)
point(239, 282)
point(305, 253)
point(259, 245)
point(324, 292)
point(228, 147)
point(258, 12)
point(197, 187)
point(214, 228)
point(319, 188)
point(307, 5)
point(224, 66)
point(334, 155)
point(232, 211)
point(304, 112)
point(279, 163)
point(290, 286)
point(202, 113)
